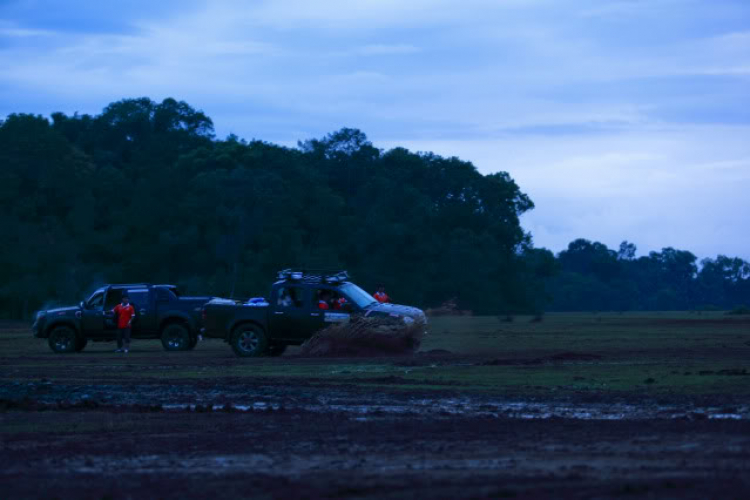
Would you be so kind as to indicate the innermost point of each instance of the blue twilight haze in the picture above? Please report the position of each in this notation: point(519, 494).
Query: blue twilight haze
point(622, 119)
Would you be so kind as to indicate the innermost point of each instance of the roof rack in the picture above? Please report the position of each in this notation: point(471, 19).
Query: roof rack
point(122, 285)
point(313, 275)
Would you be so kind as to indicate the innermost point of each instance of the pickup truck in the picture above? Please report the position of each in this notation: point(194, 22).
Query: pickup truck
point(161, 313)
point(301, 303)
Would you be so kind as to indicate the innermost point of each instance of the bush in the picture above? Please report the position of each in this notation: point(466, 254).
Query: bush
point(740, 310)
point(365, 337)
point(708, 308)
point(448, 308)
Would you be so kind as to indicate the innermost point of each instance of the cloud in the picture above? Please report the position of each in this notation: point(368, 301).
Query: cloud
point(380, 49)
point(684, 187)
point(11, 32)
point(605, 112)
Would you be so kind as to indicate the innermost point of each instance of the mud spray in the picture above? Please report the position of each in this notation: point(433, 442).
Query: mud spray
point(365, 337)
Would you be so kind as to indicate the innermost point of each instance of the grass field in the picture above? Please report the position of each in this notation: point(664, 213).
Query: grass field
point(658, 352)
point(573, 405)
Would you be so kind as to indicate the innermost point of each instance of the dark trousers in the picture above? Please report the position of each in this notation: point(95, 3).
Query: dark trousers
point(123, 334)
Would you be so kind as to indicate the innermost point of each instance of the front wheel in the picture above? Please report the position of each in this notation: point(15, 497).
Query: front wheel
point(62, 340)
point(249, 341)
point(175, 337)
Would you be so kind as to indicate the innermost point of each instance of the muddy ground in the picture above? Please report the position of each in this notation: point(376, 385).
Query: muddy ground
point(514, 422)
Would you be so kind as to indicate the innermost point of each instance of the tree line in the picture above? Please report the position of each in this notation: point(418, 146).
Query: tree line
point(145, 192)
point(590, 276)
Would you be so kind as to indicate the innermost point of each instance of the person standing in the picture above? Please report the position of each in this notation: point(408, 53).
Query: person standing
point(125, 313)
point(381, 296)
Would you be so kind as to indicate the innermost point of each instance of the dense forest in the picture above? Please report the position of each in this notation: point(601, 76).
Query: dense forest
point(144, 191)
point(590, 276)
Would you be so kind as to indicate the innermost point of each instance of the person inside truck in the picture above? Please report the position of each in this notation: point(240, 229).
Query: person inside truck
point(324, 300)
point(288, 298)
point(339, 302)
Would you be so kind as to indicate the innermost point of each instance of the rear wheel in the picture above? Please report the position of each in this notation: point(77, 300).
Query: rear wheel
point(81, 343)
point(249, 341)
point(276, 349)
point(62, 340)
point(175, 337)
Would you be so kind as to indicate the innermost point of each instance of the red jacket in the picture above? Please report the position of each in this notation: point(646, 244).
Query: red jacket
point(382, 297)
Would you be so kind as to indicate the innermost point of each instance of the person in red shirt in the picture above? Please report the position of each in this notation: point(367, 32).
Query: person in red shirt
point(324, 297)
point(339, 303)
point(124, 313)
point(381, 296)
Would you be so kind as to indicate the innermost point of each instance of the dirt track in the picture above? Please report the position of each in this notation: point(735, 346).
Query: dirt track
point(204, 424)
point(177, 439)
point(281, 454)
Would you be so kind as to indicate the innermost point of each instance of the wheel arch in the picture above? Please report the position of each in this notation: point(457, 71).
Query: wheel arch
point(176, 319)
point(70, 324)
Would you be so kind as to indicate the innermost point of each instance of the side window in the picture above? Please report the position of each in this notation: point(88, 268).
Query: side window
point(291, 297)
point(163, 295)
point(114, 295)
point(330, 299)
point(96, 302)
point(139, 298)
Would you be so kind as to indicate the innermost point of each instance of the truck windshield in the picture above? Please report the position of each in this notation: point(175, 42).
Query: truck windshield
point(96, 301)
point(357, 295)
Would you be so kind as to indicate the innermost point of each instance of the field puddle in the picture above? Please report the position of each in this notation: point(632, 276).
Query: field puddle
point(442, 408)
point(362, 406)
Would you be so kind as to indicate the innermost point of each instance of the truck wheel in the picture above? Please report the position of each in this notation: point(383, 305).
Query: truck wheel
point(62, 340)
point(249, 341)
point(175, 337)
point(81, 343)
point(276, 349)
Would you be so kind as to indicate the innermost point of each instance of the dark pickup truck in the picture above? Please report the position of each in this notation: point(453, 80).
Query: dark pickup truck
point(301, 303)
point(161, 313)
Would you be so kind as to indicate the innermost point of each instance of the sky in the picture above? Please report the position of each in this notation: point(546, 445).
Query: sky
point(621, 119)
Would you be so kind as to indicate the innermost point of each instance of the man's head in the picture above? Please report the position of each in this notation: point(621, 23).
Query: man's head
point(381, 288)
point(125, 299)
point(325, 295)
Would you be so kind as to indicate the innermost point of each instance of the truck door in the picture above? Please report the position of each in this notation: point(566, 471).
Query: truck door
point(289, 317)
point(333, 314)
point(111, 299)
point(143, 301)
point(92, 315)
